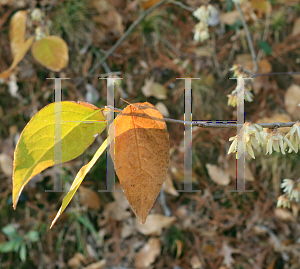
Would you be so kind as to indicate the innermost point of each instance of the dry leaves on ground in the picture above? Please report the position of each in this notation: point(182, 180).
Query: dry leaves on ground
point(218, 175)
point(291, 101)
point(154, 224)
point(148, 253)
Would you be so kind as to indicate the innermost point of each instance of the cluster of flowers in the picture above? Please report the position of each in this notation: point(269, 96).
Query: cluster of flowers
point(292, 190)
point(240, 72)
point(254, 135)
point(208, 16)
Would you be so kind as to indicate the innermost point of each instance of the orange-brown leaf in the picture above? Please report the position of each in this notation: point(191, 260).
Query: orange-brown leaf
point(142, 152)
point(149, 3)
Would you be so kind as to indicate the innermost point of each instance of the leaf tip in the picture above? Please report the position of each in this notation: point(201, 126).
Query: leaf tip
point(53, 222)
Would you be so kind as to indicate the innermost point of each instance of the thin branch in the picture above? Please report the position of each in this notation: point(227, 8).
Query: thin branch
point(178, 3)
point(233, 125)
point(218, 124)
point(249, 39)
point(276, 74)
point(121, 40)
point(266, 31)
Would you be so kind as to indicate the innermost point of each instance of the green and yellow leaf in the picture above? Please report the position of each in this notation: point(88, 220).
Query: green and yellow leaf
point(80, 124)
point(51, 52)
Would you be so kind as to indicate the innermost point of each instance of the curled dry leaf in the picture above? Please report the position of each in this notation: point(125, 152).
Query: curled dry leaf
point(148, 253)
point(96, 265)
point(169, 187)
point(162, 109)
point(18, 57)
point(296, 27)
point(291, 101)
point(196, 263)
point(128, 228)
point(6, 164)
point(218, 175)
point(17, 31)
point(140, 145)
point(76, 260)
point(109, 22)
point(89, 198)
point(115, 212)
point(231, 17)
point(155, 89)
point(284, 214)
point(154, 224)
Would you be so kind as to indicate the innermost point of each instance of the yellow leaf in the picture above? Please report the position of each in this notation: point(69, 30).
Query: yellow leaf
point(18, 57)
point(35, 149)
point(78, 180)
point(51, 52)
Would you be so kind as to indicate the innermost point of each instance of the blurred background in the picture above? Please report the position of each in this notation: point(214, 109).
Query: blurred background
point(212, 229)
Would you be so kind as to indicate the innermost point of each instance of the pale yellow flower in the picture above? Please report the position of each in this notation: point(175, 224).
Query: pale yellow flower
point(294, 137)
point(232, 100)
point(275, 141)
point(202, 13)
point(241, 85)
point(252, 137)
point(295, 194)
point(283, 200)
point(287, 185)
point(236, 68)
point(264, 134)
point(296, 191)
point(201, 31)
point(208, 14)
point(232, 97)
